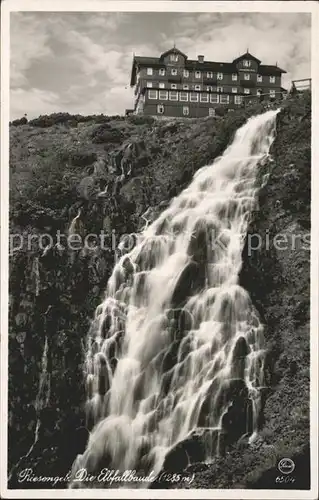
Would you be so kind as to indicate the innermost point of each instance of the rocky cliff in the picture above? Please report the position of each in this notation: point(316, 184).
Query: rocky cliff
point(101, 174)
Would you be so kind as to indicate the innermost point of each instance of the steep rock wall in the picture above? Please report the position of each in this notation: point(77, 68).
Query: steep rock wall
point(53, 297)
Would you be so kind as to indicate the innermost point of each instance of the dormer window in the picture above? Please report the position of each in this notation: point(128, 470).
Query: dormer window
point(173, 57)
point(246, 63)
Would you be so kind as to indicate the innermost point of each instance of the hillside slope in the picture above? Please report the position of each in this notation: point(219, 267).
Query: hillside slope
point(116, 169)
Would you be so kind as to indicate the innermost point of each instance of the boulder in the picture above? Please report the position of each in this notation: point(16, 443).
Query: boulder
point(199, 445)
point(240, 352)
point(190, 281)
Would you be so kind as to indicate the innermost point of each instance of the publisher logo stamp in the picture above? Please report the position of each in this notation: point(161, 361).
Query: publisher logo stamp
point(286, 466)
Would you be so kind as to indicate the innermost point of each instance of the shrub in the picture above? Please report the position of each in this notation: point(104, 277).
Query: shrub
point(19, 121)
point(106, 134)
point(220, 111)
point(140, 120)
point(81, 158)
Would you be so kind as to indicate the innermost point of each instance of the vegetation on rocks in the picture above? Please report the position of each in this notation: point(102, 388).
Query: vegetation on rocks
point(114, 169)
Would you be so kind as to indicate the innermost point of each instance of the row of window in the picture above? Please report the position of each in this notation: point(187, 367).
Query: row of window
point(209, 88)
point(209, 74)
point(164, 95)
point(172, 95)
point(161, 110)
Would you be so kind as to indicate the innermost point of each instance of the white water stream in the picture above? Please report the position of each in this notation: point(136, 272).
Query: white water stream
point(175, 328)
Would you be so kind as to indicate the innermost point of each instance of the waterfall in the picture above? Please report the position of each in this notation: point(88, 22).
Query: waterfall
point(177, 344)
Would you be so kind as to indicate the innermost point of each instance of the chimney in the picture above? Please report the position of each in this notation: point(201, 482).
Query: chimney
point(200, 58)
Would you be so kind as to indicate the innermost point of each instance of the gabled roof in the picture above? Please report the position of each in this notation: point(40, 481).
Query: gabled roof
point(210, 65)
point(265, 69)
point(173, 50)
point(143, 61)
point(247, 55)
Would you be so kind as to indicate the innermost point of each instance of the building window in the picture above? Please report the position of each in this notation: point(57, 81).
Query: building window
point(224, 99)
point(173, 95)
point(272, 93)
point(149, 71)
point(272, 79)
point(185, 110)
point(162, 85)
point(185, 87)
point(173, 71)
point(209, 88)
point(149, 84)
point(234, 90)
point(234, 77)
point(211, 112)
point(162, 71)
point(193, 97)
point(174, 57)
point(197, 87)
point(197, 74)
point(160, 109)
point(152, 94)
point(246, 91)
point(238, 99)
point(214, 98)
point(173, 86)
point(247, 63)
point(209, 74)
point(186, 73)
point(163, 94)
point(183, 96)
point(220, 76)
point(220, 89)
point(246, 76)
point(204, 98)
point(259, 78)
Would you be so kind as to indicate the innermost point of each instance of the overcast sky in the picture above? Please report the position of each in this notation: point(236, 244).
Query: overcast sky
point(81, 62)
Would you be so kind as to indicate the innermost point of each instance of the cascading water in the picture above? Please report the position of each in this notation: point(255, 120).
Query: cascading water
point(177, 344)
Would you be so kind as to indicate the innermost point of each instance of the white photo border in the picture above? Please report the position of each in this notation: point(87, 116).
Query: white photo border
point(311, 7)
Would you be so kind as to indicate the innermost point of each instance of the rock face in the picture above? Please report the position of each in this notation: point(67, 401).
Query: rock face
point(276, 267)
point(53, 296)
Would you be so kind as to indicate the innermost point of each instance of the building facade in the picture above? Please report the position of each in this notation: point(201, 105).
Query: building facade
point(174, 86)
